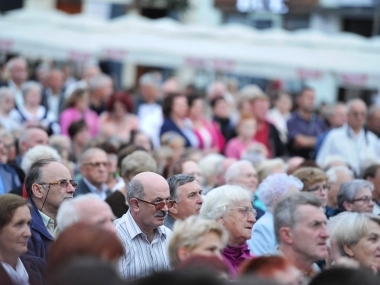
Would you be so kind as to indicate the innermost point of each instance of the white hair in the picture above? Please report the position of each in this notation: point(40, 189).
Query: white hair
point(332, 173)
point(332, 158)
point(6, 91)
point(149, 79)
point(217, 200)
point(208, 164)
point(27, 86)
point(98, 81)
point(351, 102)
point(36, 153)
point(276, 185)
point(69, 210)
point(233, 171)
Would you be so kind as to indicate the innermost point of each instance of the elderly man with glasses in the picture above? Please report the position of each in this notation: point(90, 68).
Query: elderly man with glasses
point(141, 229)
point(48, 184)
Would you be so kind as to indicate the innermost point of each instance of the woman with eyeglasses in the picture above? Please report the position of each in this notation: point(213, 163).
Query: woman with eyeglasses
point(230, 205)
point(314, 181)
point(357, 236)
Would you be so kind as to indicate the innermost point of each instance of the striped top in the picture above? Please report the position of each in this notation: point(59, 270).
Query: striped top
point(141, 257)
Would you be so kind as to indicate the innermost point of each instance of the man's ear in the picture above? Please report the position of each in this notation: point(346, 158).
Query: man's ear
point(134, 204)
point(174, 209)
point(286, 235)
point(348, 250)
point(183, 253)
point(37, 190)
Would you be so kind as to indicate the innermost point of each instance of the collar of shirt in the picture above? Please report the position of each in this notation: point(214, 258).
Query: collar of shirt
point(134, 230)
point(353, 135)
point(49, 223)
point(101, 192)
point(18, 276)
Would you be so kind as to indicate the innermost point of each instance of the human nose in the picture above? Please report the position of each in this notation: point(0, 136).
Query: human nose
point(251, 217)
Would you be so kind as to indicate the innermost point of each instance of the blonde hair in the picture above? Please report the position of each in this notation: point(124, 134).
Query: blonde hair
point(309, 176)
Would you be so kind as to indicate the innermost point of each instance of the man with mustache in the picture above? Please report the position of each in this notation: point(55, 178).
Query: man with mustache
point(187, 193)
point(48, 184)
point(141, 229)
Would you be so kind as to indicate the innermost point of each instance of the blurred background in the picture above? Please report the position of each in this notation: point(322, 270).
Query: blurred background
point(330, 45)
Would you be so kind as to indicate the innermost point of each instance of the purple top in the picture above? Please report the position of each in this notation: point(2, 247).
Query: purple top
point(298, 125)
point(234, 257)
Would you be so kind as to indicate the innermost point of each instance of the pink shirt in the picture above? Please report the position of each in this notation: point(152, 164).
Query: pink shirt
point(72, 114)
point(235, 148)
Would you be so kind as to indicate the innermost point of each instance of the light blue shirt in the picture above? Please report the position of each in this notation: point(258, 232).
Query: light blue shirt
point(263, 240)
point(101, 193)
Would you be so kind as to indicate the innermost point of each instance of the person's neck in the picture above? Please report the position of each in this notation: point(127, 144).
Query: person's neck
point(18, 84)
point(244, 139)
point(178, 121)
point(118, 119)
point(9, 259)
point(31, 108)
point(97, 185)
point(302, 263)
point(46, 209)
point(235, 242)
point(55, 92)
point(305, 114)
point(150, 233)
point(356, 130)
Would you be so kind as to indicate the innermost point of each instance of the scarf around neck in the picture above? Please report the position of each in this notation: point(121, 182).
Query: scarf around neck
point(235, 255)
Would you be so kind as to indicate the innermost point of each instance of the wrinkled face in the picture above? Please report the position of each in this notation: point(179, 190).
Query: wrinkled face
point(238, 221)
point(247, 178)
point(149, 217)
point(306, 100)
point(7, 103)
point(14, 235)
point(33, 97)
point(56, 194)
point(180, 107)
point(367, 250)
point(210, 245)
point(98, 213)
point(144, 141)
point(320, 189)
point(192, 168)
point(95, 168)
point(362, 202)
point(220, 109)
point(357, 115)
point(247, 128)
point(309, 234)
point(189, 200)
point(196, 110)
point(332, 193)
point(260, 109)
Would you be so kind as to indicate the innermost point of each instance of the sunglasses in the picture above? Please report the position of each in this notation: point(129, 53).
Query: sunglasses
point(64, 183)
point(160, 205)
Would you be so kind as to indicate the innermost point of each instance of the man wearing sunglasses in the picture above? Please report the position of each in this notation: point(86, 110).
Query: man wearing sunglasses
point(142, 230)
point(48, 184)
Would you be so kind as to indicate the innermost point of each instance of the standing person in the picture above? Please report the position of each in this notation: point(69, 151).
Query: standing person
point(141, 229)
point(15, 221)
point(101, 88)
point(175, 110)
point(48, 184)
point(211, 139)
point(301, 232)
point(351, 141)
point(304, 126)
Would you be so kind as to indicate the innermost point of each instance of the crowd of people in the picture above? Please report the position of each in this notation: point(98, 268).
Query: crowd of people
point(168, 184)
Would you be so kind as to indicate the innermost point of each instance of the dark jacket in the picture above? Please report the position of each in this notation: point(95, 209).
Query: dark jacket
point(35, 268)
point(169, 125)
point(40, 240)
point(276, 146)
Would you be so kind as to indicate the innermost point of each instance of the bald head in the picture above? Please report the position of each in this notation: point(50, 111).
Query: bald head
point(32, 137)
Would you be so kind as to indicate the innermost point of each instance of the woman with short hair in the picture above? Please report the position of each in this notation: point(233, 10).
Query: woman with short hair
point(230, 205)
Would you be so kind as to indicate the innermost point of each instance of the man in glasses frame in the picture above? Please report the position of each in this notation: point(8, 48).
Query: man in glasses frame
point(141, 229)
point(48, 184)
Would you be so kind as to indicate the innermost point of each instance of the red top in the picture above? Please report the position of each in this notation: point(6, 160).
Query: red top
point(262, 136)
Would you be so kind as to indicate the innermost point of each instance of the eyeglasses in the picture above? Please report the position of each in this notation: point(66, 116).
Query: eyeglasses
point(357, 114)
point(64, 183)
point(245, 211)
point(365, 199)
point(160, 205)
point(97, 164)
point(319, 188)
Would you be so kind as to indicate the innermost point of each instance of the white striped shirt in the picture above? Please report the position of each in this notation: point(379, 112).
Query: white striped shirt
point(141, 257)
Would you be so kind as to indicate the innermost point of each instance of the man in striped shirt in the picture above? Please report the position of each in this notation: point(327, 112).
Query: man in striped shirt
point(141, 229)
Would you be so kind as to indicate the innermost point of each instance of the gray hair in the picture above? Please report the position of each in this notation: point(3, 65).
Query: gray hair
point(137, 162)
point(217, 200)
point(353, 101)
point(190, 232)
point(349, 189)
point(176, 181)
point(348, 228)
point(6, 91)
point(36, 153)
point(68, 212)
point(149, 79)
point(332, 173)
point(285, 212)
point(276, 185)
point(135, 190)
point(98, 81)
point(233, 171)
point(27, 86)
point(208, 164)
